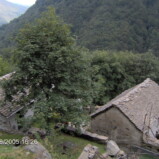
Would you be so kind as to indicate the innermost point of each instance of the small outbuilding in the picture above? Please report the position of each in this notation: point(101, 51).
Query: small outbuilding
point(130, 115)
point(8, 111)
point(8, 118)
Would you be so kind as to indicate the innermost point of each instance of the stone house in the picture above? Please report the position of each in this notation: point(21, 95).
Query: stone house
point(8, 118)
point(130, 116)
point(8, 112)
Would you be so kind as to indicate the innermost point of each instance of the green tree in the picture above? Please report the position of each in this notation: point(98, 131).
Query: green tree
point(114, 72)
point(4, 67)
point(56, 72)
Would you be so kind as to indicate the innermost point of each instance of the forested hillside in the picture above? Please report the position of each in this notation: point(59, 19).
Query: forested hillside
point(100, 24)
point(9, 11)
point(58, 84)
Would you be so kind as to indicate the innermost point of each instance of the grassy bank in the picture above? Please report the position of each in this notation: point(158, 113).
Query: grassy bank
point(60, 146)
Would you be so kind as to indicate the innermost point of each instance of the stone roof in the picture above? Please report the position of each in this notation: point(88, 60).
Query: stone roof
point(8, 110)
point(140, 103)
point(7, 76)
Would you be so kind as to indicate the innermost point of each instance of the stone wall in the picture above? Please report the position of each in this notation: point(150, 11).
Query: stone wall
point(1, 94)
point(114, 124)
point(4, 124)
point(8, 124)
point(13, 122)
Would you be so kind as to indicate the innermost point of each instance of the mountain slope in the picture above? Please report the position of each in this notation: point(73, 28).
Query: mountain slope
point(100, 24)
point(9, 11)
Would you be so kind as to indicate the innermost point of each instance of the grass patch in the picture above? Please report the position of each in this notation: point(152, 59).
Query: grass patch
point(55, 146)
point(148, 157)
point(10, 152)
point(4, 135)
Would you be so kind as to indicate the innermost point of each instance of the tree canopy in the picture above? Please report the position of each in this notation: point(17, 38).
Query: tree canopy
point(5, 67)
point(115, 72)
point(119, 25)
point(54, 70)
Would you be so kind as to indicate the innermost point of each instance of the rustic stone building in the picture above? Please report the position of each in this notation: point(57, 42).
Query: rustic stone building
point(8, 111)
point(130, 115)
point(8, 118)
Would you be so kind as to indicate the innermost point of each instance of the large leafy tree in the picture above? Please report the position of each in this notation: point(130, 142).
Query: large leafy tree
point(117, 71)
point(5, 67)
point(53, 69)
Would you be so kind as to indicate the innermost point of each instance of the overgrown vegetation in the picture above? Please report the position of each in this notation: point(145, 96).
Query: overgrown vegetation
point(54, 70)
point(105, 24)
point(60, 146)
point(5, 67)
point(115, 72)
point(64, 146)
point(10, 152)
point(63, 79)
point(10, 136)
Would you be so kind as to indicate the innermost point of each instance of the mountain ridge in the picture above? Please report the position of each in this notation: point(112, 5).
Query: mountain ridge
point(100, 24)
point(9, 11)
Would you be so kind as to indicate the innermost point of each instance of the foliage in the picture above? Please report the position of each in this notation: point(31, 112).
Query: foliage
point(54, 145)
point(115, 72)
point(110, 25)
point(54, 71)
point(148, 157)
point(4, 135)
point(9, 152)
point(4, 66)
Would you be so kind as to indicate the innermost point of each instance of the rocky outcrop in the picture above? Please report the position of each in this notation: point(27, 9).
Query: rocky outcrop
point(32, 132)
point(112, 148)
point(88, 135)
point(112, 152)
point(39, 150)
point(89, 152)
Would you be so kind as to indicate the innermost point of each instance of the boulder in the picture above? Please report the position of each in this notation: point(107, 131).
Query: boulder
point(89, 152)
point(105, 156)
point(29, 114)
point(68, 145)
point(112, 148)
point(39, 150)
point(33, 131)
point(121, 155)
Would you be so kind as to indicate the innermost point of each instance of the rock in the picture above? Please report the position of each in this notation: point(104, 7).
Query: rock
point(68, 145)
point(39, 150)
point(105, 155)
point(33, 131)
point(29, 114)
point(27, 153)
point(112, 148)
point(94, 137)
point(121, 155)
point(89, 152)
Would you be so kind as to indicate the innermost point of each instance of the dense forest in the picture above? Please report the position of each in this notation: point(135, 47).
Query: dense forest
point(100, 24)
point(69, 56)
point(112, 31)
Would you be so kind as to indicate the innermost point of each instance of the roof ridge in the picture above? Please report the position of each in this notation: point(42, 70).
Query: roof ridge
point(7, 76)
point(130, 95)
